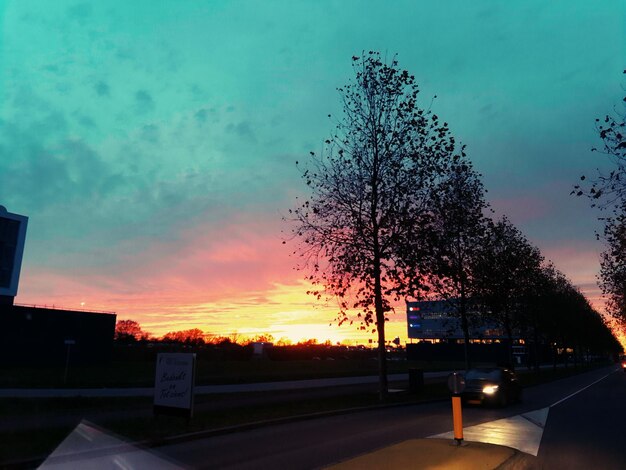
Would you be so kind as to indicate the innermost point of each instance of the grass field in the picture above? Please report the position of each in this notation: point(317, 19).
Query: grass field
point(141, 373)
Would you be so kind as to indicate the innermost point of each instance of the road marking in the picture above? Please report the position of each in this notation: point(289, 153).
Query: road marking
point(522, 432)
point(537, 417)
point(582, 389)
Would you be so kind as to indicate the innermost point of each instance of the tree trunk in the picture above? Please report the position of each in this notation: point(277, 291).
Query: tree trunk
point(382, 361)
point(378, 290)
point(380, 329)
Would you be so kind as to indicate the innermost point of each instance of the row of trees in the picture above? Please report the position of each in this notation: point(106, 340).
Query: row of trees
point(509, 282)
point(396, 211)
point(130, 331)
point(607, 191)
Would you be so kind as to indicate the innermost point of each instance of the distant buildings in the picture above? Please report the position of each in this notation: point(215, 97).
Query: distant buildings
point(437, 332)
point(434, 321)
point(43, 336)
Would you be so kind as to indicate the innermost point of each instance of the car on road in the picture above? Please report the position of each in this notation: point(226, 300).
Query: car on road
point(496, 386)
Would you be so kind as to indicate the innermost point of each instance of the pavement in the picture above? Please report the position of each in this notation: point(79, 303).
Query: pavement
point(440, 454)
point(506, 444)
point(510, 443)
point(92, 447)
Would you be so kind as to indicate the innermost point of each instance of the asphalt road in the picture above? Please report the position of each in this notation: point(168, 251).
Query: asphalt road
point(587, 431)
point(319, 442)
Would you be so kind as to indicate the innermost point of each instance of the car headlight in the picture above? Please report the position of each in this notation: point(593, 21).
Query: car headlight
point(490, 389)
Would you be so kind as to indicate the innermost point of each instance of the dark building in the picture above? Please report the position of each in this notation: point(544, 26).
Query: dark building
point(43, 336)
point(12, 239)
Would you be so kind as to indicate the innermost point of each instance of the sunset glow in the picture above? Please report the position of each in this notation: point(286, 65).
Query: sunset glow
point(153, 144)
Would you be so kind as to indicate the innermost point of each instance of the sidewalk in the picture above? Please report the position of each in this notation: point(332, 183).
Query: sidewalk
point(91, 447)
point(208, 389)
point(440, 454)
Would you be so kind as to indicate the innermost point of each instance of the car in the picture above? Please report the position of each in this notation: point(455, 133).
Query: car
point(624, 365)
point(496, 386)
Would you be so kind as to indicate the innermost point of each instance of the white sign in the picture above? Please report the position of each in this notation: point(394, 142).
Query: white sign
point(173, 386)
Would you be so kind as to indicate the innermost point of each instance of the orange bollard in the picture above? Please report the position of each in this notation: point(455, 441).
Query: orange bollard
point(457, 419)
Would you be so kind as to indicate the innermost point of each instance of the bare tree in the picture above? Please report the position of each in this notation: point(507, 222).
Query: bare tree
point(365, 221)
point(608, 192)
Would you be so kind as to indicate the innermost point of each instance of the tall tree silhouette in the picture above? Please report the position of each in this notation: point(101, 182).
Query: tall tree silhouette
point(613, 266)
point(370, 189)
point(608, 192)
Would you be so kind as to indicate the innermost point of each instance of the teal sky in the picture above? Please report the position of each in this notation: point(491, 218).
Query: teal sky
point(152, 143)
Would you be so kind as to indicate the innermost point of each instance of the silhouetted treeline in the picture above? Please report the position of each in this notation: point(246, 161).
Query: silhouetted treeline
point(146, 350)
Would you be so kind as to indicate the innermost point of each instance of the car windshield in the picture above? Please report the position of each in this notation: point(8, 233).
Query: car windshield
point(483, 374)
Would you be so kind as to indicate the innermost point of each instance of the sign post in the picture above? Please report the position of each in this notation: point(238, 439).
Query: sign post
point(174, 382)
point(456, 384)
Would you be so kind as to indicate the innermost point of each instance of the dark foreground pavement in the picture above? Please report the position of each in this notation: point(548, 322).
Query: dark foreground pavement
point(440, 454)
point(414, 453)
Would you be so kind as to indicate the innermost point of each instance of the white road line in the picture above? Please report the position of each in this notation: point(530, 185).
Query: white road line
point(521, 432)
point(582, 389)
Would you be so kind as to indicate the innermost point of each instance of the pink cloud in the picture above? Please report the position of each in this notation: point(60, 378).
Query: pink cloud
point(237, 277)
point(204, 275)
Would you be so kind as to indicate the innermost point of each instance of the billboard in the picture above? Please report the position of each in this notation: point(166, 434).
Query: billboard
point(430, 319)
point(436, 319)
point(12, 239)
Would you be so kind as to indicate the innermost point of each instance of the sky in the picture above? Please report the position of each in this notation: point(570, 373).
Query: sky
point(152, 144)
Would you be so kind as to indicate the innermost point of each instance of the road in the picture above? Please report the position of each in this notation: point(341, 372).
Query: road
point(587, 430)
point(581, 430)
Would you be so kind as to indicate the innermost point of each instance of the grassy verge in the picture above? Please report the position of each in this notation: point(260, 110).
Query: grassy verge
point(141, 373)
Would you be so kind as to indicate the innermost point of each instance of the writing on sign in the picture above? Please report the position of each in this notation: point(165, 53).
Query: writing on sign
point(174, 380)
